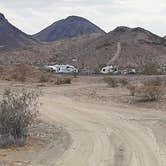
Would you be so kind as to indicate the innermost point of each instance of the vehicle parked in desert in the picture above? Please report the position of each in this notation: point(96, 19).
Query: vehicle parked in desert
point(62, 68)
point(110, 70)
point(128, 71)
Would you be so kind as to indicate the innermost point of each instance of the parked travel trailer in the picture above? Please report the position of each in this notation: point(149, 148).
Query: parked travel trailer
point(129, 71)
point(109, 70)
point(132, 71)
point(62, 68)
point(51, 68)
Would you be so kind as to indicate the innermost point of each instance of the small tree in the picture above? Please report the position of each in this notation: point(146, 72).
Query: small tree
point(17, 113)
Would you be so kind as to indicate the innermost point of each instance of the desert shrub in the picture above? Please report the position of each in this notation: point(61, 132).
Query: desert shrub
point(155, 81)
point(17, 112)
point(146, 93)
point(43, 78)
point(132, 89)
point(112, 82)
point(19, 75)
point(151, 69)
point(20, 72)
point(123, 81)
point(60, 81)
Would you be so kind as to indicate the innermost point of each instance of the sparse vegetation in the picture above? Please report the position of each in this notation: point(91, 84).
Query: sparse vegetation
point(155, 81)
point(151, 69)
point(18, 111)
point(115, 82)
point(112, 82)
point(27, 73)
point(123, 82)
point(43, 78)
point(60, 81)
point(148, 91)
point(132, 89)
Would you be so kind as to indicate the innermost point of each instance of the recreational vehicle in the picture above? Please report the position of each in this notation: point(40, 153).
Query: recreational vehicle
point(109, 70)
point(62, 69)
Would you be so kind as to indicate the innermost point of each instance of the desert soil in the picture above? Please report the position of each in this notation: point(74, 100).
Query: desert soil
point(98, 129)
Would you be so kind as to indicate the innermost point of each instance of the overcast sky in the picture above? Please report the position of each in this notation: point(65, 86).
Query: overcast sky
point(31, 16)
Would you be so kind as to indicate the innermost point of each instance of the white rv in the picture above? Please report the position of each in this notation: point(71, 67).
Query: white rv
point(62, 69)
point(109, 70)
point(51, 68)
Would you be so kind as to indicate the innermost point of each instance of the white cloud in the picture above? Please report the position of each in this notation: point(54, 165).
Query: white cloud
point(32, 16)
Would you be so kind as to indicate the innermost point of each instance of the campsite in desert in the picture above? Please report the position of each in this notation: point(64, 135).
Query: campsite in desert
point(93, 121)
point(82, 85)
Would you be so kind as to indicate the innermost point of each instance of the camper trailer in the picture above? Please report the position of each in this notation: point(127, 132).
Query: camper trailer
point(129, 71)
point(62, 69)
point(51, 68)
point(109, 70)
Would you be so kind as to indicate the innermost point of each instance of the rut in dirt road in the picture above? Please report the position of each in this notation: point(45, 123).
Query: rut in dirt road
point(101, 136)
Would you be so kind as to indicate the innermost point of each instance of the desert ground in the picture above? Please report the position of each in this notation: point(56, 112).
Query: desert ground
point(88, 123)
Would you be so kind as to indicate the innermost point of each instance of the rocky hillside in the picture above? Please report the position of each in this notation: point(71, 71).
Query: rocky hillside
point(72, 26)
point(12, 37)
point(125, 47)
point(130, 47)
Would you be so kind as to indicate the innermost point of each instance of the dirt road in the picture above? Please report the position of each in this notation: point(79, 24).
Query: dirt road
point(105, 135)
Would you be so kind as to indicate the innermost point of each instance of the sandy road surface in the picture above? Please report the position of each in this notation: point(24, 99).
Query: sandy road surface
point(104, 135)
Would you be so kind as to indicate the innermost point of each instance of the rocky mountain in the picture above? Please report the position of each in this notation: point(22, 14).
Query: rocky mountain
point(12, 37)
point(72, 26)
point(135, 36)
point(124, 47)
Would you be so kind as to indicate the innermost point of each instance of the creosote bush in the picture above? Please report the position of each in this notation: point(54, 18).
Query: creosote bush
point(18, 111)
point(151, 69)
point(43, 78)
point(115, 82)
point(60, 81)
point(123, 81)
point(149, 91)
point(112, 82)
point(153, 82)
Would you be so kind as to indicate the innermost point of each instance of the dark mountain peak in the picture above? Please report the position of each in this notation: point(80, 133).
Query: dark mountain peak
point(75, 18)
point(72, 26)
point(2, 17)
point(121, 29)
point(141, 30)
point(12, 37)
point(125, 29)
point(135, 35)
